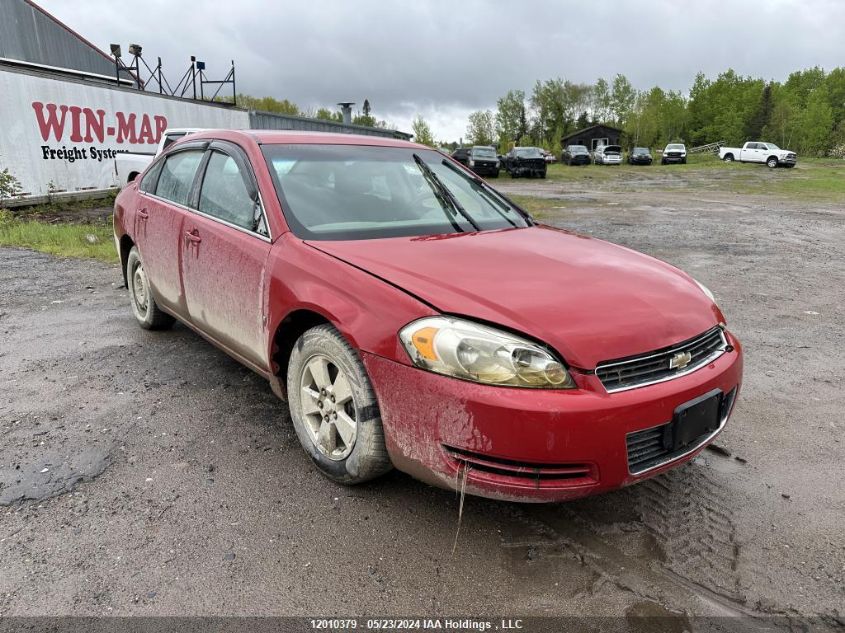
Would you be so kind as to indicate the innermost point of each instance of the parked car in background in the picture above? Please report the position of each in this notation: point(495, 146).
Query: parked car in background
point(406, 310)
point(607, 155)
point(461, 155)
point(550, 158)
point(483, 161)
point(759, 152)
point(575, 155)
point(674, 153)
point(128, 165)
point(640, 156)
point(525, 161)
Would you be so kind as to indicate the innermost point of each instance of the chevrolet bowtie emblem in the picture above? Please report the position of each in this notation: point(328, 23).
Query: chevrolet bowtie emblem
point(680, 360)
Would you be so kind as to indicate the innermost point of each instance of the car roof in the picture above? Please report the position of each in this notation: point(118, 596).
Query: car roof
point(270, 137)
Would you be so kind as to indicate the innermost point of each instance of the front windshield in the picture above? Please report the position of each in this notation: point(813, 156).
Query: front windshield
point(578, 149)
point(528, 152)
point(769, 145)
point(641, 150)
point(349, 192)
point(672, 146)
point(484, 152)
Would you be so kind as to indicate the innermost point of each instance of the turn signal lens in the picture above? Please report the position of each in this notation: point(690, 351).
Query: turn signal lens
point(463, 349)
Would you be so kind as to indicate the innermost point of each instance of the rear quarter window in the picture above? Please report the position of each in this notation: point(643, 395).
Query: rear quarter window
point(148, 182)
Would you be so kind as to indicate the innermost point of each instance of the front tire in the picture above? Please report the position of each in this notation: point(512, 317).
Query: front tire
point(772, 162)
point(334, 408)
point(144, 306)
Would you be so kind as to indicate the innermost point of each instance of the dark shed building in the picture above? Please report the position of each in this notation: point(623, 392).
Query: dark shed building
point(593, 136)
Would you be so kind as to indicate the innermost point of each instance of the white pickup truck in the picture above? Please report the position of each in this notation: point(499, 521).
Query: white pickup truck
point(758, 152)
point(128, 165)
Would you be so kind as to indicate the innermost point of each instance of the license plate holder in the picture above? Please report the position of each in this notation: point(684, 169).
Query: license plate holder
point(696, 418)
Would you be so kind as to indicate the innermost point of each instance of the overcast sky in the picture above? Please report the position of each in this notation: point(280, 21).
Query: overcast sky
point(445, 58)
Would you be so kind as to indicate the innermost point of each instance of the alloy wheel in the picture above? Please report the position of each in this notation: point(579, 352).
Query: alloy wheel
point(140, 289)
point(328, 407)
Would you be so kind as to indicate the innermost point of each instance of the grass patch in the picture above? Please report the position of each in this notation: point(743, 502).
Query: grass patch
point(816, 179)
point(93, 241)
point(540, 208)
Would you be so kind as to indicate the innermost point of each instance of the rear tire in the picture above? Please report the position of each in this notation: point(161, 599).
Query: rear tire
point(144, 306)
point(729, 158)
point(334, 408)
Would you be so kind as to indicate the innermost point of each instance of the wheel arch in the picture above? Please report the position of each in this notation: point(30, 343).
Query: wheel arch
point(126, 245)
point(285, 335)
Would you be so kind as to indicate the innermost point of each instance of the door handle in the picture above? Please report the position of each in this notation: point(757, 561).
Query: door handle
point(142, 213)
point(193, 236)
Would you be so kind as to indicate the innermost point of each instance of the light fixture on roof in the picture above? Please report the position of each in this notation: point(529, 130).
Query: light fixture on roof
point(115, 50)
point(135, 49)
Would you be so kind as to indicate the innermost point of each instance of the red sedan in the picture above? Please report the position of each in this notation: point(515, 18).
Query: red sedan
point(413, 317)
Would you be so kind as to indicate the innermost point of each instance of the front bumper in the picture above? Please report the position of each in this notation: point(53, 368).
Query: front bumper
point(485, 169)
point(580, 159)
point(636, 160)
point(530, 170)
point(674, 159)
point(789, 159)
point(530, 444)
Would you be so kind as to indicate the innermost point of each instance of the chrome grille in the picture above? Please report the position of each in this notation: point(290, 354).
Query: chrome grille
point(638, 371)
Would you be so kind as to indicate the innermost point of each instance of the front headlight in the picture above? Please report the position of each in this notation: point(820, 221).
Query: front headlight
point(706, 291)
point(463, 349)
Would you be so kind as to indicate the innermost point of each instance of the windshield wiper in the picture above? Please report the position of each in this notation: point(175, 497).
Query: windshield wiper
point(485, 190)
point(443, 195)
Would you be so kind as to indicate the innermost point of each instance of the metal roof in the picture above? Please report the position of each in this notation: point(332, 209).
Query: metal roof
point(271, 121)
point(30, 35)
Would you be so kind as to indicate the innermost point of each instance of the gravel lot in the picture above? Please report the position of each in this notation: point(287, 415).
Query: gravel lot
point(148, 474)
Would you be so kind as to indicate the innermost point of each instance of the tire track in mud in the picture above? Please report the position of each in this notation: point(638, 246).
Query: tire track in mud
point(669, 542)
point(686, 512)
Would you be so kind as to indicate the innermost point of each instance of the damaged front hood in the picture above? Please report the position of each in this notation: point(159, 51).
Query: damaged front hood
point(588, 299)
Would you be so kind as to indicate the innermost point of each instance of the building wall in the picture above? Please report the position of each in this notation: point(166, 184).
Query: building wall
point(591, 136)
point(61, 134)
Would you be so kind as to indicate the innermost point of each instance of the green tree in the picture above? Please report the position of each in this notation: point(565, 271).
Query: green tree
point(622, 98)
point(422, 132)
point(511, 123)
point(784, 120)
point(268, 104)
point(480, 130)
point(601, 101)
point(9, 185)
point(816, 123)
point(760, 115)
point(328, 115)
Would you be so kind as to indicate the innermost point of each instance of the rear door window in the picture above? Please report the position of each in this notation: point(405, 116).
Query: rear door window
point(177, 176)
